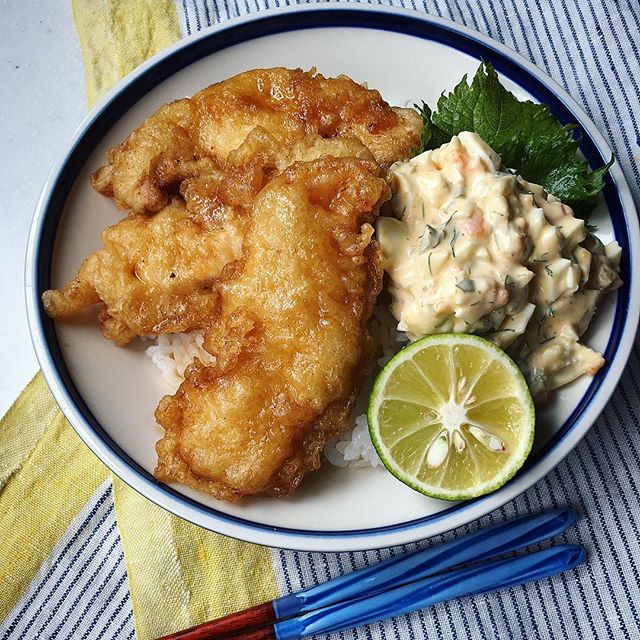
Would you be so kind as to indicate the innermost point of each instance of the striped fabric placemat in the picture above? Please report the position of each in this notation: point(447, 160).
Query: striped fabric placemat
point(83, 556)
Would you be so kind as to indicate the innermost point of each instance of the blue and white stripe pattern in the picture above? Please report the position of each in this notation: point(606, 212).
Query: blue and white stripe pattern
point(592, 48)
point(426, 592)
point(81, 591)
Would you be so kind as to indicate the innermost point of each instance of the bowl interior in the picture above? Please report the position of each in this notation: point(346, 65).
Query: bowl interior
point(121, 387)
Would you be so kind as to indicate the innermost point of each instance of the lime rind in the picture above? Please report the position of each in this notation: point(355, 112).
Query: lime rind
point(517, 458)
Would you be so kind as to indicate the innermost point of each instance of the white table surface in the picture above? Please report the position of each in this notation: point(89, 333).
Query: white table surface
point(43, 101)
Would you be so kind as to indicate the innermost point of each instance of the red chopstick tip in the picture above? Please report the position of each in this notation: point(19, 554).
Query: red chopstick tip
point(266, 633)
point(239, 622)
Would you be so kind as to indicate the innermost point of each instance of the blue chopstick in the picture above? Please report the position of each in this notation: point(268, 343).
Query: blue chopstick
point(488, 576)
point(380, 578)
point(487, 542)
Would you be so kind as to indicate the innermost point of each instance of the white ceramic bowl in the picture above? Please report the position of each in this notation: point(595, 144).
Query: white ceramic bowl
point(109, 394)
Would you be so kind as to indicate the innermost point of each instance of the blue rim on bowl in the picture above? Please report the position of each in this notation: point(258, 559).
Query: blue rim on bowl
point(157, 69)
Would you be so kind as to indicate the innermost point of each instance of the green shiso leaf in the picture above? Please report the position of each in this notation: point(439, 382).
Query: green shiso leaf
point(527, 137)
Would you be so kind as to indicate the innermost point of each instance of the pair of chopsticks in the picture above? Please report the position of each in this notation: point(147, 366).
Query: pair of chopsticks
point(405, 583)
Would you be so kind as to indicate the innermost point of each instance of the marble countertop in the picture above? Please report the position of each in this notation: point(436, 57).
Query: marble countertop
point(43, 102)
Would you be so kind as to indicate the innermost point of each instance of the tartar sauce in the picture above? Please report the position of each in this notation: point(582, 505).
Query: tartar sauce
point(473, 248)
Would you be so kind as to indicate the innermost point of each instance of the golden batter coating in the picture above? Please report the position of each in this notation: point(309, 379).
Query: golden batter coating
point(184, 137)
point(291, 342)
point(251, 210)
point(154, 275)
point(159, 274)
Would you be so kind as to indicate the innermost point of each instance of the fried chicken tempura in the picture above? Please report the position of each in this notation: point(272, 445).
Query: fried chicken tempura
point(184, 138)
point(158, 274)
point(154, 275)
point(251, 209)
point(291, 344)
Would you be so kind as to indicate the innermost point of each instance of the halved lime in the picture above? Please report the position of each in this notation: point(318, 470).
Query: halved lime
point(451, 416)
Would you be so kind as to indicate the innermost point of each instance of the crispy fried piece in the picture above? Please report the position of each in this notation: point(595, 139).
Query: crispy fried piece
point(291, 346)
point(136, 174)
point(155, 274)
point(186, 137)
point(158, 274)
point(262, 149)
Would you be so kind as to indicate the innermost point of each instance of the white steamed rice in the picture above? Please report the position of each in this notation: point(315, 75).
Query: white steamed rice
point(353, 448)
point(173, 353)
